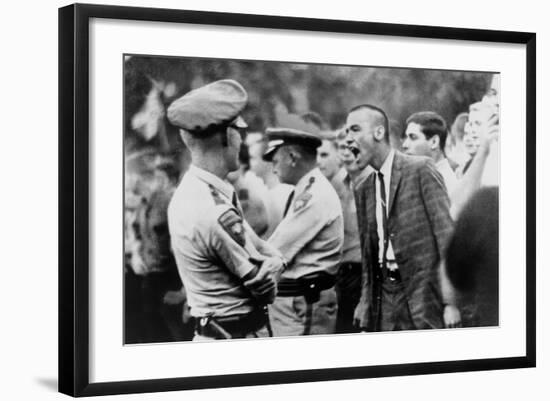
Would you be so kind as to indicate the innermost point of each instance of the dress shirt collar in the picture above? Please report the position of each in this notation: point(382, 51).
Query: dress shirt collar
point(387, 165)
point(221, 185)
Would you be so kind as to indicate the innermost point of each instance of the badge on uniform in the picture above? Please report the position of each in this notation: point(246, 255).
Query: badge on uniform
point(301, 201)
point(232, 223)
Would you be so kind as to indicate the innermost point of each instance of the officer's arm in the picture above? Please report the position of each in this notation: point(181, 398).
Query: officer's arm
point(227, 239)
point(297, 229)
point(264, 247)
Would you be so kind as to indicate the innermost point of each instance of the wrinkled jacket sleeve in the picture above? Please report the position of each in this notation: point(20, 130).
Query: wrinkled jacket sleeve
point(364, 302)
point(437, 204)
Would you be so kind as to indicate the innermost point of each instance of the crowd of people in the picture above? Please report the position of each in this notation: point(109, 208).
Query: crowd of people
point(303, 230)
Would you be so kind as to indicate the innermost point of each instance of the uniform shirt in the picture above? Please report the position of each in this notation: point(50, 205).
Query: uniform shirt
point(311, 235)
point(275, 204)
point(212, 244)
point(343, 184)
point(386, 172)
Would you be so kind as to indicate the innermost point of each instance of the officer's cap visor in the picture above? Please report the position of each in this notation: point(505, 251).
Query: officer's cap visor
point(272, 148)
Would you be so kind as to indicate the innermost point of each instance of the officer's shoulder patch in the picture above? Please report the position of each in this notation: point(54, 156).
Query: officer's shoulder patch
point(301, 201)
point(232, 223)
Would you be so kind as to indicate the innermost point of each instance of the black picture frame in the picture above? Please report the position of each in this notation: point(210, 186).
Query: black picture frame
point(74, 194)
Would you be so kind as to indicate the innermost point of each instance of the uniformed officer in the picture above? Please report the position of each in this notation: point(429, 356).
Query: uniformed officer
point(310, 237)
point(227, 271)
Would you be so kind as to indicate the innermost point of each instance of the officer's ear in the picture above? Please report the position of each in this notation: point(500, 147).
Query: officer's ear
point(293, 156)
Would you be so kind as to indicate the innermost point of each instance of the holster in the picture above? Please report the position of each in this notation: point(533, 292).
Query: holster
point(234, 326)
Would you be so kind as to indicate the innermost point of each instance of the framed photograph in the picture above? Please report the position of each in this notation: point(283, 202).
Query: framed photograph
point(143, 96)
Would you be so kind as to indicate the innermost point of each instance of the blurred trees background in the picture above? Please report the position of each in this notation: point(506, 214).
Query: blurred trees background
point(278, 88)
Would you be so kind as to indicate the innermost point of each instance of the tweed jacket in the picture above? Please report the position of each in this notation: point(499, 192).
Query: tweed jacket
point(419, 228)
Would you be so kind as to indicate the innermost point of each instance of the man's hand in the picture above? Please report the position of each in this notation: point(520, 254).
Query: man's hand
point(359, 315)
point(262, 285)
point(488, 133)
point(451, 316)
point(274, 266)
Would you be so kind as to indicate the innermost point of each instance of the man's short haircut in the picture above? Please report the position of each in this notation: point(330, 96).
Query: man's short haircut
point(196, 138)
point(431, 124)
point(383, 118)
point(307, 152)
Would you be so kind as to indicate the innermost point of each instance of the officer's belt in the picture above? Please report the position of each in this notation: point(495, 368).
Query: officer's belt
point(306, 285)
point(233, 326)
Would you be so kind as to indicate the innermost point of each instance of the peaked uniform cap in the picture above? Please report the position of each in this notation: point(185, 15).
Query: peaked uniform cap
point(219, 102)
point(278, 137)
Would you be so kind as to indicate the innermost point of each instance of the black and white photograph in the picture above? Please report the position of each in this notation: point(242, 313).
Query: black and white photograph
point(246, 200)
point(327, 200)
point(281, 199)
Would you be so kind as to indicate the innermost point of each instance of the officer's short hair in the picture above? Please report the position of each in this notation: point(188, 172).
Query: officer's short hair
point(383, 118)
point(306, 152)
point(431, 124)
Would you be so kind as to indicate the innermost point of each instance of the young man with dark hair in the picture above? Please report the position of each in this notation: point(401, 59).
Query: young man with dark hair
point(426, 135)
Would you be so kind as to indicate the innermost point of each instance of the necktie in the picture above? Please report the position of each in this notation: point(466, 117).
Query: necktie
point(288, 203)
point(384, 215)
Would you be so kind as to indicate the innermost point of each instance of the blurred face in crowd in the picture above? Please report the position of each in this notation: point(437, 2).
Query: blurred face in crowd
point(415, 142)
point(161, 180)
point(257, 164)
point(347, 158)
point(327, 159)
point(478, 117)
point(361, 127)
point(470, 139)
